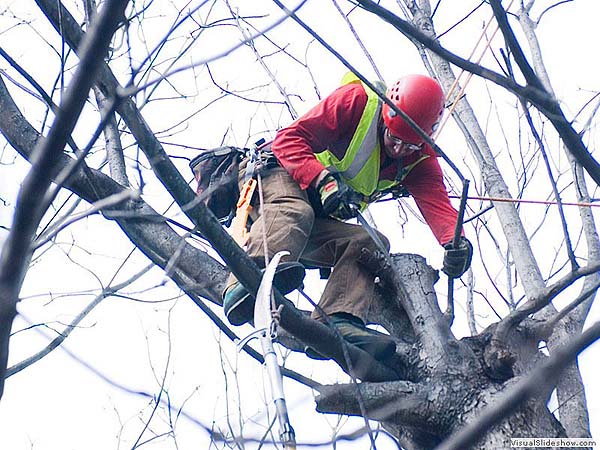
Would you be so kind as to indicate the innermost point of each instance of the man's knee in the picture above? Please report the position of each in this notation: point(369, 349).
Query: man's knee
point(364, 240)
point(292, 216)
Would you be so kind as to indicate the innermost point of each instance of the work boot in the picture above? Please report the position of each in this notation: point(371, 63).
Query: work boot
point(313, 354)
point(238, 304)
point(354, 331)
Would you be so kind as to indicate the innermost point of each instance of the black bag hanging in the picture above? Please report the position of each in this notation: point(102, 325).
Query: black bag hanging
point(216, 172)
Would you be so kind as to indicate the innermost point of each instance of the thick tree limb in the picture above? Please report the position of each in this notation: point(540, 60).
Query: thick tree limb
point(419, 300)
point(538, 384)
point(16, 251)
point(405, 402)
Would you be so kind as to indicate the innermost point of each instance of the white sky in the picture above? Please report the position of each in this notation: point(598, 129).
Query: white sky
point(58, 403)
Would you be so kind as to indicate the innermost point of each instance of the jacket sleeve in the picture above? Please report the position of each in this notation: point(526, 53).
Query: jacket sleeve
point(426, 184)
point(331, 121)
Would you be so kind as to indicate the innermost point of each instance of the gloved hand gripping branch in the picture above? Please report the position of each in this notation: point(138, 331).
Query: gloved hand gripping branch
point(336, 197)
point(457, 260)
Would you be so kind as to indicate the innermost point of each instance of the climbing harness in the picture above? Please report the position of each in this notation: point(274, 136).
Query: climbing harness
point(258, 159)
point(239, 230)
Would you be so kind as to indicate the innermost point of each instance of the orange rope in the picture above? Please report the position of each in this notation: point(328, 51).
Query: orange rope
point(454, 103)
point(537, 202)
point(469, 75)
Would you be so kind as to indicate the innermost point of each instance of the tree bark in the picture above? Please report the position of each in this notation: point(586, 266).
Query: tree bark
point(436, 386)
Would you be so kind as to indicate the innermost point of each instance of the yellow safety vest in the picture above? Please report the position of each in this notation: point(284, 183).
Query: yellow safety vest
point(360, 165)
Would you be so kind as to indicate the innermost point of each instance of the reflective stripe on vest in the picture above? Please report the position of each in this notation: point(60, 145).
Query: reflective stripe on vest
point(360, 165)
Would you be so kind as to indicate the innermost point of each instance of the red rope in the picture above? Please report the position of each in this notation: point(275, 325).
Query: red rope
point(520, 200)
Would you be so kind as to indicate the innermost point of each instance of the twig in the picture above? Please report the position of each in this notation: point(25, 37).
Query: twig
point(28, 213)
point(63, 223)
point(537, 384)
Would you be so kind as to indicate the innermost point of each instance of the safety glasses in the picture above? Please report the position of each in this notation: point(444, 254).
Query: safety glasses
point(398, 141)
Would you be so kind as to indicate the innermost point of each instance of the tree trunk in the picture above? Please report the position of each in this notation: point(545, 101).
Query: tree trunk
point(443, 389)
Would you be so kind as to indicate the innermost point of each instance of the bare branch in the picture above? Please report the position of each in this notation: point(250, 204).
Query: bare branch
point(250, 42)
point(16, 251)
point(536, 303)
point(537, 384)
point(403, 401)
point(359, 40)
point(107, 292)
point(586, 294)
point(105, 203)
point(533, 93)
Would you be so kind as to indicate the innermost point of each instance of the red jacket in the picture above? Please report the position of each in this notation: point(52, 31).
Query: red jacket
point(331, 125)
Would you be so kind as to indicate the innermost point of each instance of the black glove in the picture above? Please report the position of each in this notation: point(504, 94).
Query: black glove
point(457, 260)
point(336, 197)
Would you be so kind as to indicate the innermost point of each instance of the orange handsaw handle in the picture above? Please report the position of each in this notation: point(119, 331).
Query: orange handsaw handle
point(243, 208)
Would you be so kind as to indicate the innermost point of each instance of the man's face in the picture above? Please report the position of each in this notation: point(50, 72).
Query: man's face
point(395, 147)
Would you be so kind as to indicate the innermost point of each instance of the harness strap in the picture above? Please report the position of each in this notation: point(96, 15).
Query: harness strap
point(260, 158)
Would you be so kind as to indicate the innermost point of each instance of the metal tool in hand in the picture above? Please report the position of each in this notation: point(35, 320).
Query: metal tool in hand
point(372, 233)
point(455, 243)
point(265, 332)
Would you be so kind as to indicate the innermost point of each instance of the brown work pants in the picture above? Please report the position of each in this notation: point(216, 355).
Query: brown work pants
point(292, 225)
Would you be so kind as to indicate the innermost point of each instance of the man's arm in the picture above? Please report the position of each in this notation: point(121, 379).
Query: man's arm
point(425, 183)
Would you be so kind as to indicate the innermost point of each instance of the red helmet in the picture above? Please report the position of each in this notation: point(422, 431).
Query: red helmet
point(422, 99)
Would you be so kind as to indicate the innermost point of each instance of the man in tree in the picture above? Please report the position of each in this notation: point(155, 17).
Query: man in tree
point(347, 151)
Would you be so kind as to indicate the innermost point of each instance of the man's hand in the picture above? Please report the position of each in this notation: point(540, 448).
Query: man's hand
point(457, 260)
point(336, 197)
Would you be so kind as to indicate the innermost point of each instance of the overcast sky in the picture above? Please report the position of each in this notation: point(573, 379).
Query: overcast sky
point(76, 397)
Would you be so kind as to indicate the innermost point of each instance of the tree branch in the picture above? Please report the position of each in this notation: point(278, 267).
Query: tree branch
point(534, 304)
point(532, 93)
point(537, 383)
point(107, 292)
point(16, 251)
point(513, 45)
point(399, 401)
point(586, 294)
point(419, 300)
